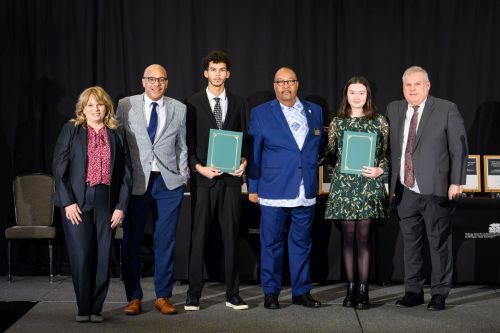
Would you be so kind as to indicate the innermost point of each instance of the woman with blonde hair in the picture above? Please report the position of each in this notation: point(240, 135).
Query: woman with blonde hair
point(93, 177)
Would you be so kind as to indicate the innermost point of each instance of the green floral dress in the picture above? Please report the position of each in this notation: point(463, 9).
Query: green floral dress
point(354, 197)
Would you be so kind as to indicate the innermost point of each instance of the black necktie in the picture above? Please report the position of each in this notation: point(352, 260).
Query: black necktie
point(153, 122)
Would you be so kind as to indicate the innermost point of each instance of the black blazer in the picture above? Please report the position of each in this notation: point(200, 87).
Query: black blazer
point(70, 167)
point(199, 121)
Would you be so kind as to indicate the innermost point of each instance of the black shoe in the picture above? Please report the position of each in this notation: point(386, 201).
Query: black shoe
point(192, 303)
point(271, 301)
point(437, 303)
point(350, 298)
point(411, 299)
point(306, 300)
point(237, 303)
point(363, 301)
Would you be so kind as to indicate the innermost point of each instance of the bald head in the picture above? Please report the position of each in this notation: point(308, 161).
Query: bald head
point(286, 86)
point(155, 68)
point(285, 71)
point(155, 81)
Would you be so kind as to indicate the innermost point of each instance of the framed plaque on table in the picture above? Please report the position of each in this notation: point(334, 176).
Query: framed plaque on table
point(325, 178)
point(358, 150)
point(224, 150)
point(491, 173)
point(473, 180)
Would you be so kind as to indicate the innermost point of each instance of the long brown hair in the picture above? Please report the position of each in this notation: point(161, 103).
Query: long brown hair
point(101, 97)
point(369, 109)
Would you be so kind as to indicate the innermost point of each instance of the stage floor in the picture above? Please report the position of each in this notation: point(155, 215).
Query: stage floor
point(470, 308)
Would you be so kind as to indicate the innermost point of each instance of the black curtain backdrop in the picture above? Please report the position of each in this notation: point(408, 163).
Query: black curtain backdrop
point(53, 49)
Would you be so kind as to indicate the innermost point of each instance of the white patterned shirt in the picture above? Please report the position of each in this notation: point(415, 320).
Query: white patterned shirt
point(297, 121)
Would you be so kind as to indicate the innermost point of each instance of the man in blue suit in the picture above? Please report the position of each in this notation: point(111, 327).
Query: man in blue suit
point(286, 135)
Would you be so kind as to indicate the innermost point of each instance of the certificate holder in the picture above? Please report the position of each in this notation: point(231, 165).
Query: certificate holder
point(358, 150)
point(491, 173)
point(473, 174)
point(224, 150)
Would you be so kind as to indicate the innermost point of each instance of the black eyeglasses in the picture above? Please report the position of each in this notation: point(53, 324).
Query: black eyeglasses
point(153, 80)
point(283, 83)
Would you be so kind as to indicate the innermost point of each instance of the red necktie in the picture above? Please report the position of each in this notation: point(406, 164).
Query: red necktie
point(410, 145)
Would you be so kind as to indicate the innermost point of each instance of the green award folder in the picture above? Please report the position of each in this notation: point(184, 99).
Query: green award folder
point(358, 150)
point(224, 150)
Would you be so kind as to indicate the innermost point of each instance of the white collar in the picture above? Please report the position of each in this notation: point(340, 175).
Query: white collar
point(297, 105)
point(211, 96)
point(148, 101)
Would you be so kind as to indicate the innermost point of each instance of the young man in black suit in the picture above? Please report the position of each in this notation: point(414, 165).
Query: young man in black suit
point(217, 194)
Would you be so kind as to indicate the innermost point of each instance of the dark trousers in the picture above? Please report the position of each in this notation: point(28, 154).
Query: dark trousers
point(89, 245)
point(225, 201)
point(167, 204)
point(272, 229)
point(422, 214)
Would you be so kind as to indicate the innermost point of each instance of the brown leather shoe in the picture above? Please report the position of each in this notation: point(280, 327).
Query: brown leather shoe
point(133, 307)
point(164, 306)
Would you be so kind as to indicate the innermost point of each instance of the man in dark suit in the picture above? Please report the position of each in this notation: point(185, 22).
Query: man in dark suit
point(286, 135)
point(429, 150)
point(156, 131)
point(217, 194)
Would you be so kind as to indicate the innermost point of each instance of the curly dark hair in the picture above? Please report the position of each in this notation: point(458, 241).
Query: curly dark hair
point(216, 57)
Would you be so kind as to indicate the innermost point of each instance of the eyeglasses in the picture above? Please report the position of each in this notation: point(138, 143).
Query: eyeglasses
point(283, 83)
point(153, 80)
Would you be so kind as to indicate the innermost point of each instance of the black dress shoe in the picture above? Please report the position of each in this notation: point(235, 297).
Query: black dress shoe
point(306, 300)
point(350, 297)
point(271, 301)
point(437, 303)
point(411, 299)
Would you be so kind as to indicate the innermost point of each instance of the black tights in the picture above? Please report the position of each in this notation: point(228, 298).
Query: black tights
point(362, 229)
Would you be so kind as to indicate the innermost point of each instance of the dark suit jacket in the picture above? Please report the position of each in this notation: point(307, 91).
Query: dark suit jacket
point(70, 167)
point(277, 165)
point(200, 120)
point(439, 158)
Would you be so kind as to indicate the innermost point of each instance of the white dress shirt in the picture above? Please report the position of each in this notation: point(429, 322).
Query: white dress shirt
point(160, 110)
point(222, 102)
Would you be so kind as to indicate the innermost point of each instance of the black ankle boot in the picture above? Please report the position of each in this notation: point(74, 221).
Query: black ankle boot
point(350, 297)
point(363, 301)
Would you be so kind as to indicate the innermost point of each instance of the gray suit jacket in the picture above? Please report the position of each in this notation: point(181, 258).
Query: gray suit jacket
point(169, 147)
point(439, 158)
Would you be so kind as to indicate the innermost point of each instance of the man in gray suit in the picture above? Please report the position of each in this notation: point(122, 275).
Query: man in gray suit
point(156, 134)
point(429, 150)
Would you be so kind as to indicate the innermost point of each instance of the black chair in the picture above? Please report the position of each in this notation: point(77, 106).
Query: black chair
point(34, 210)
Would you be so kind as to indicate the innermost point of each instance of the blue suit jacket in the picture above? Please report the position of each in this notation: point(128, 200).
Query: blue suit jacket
point(276, 165)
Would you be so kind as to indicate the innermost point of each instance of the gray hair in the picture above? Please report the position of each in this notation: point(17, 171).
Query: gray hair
point(415, 69)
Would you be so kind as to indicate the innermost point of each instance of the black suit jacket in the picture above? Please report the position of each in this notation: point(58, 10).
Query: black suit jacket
point(70, 167)
point(200, 120)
